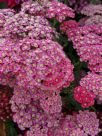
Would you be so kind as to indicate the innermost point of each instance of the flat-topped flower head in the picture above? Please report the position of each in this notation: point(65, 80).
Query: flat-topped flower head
point(67, 25)
point(48, 9)
point(48, 66)
point(84, 97)
point(36, 63)
point(58, 10)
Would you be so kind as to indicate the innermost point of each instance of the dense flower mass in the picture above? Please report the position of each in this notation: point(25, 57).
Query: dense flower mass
point(35, 68)
point(59, 11)
point(93, 83)
point(67, 25)
point(96, 19)
point(33, 8)
point(92, 9)
point(78, 132)
point(4, 15)
point(51, 104)
point(5, 111)
point(40, 63)
point(84, 97)
point(87, 41)
point(35, 64)
point(93, 13)
point(85, 123)
point(49, 9)
point(24, 25)
point(88, 122)
point(29, 114)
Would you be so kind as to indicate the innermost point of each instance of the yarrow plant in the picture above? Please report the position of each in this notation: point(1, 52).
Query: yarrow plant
point(37, 68)
point(55, 79)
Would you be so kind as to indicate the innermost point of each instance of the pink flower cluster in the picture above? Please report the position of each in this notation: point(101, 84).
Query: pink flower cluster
point(4, 15)
point(29, 113)
point(88, 122)
point(93, 83)
point(67, 25)
point(84, 97)
point(93, 13)
point(59, 11)
point(33, 8)
point(78, 132)
point(92, 9)
point(36, 67)
point(49, 9)
point(87, 41)
point(72, 125)
point(87, 47)
point(32, 113)
point(23, 25)
point(36, 63)
point(96, 19)
point(51, 104)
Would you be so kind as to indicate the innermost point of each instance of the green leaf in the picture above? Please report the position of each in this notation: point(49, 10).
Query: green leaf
point(10, 127)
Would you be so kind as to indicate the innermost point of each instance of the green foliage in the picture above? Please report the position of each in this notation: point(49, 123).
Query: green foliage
point(3, 5)
point(71, 104)
point(10, 128)
point(95, 1)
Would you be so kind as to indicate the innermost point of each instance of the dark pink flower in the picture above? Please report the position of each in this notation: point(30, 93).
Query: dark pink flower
point(84, 97)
